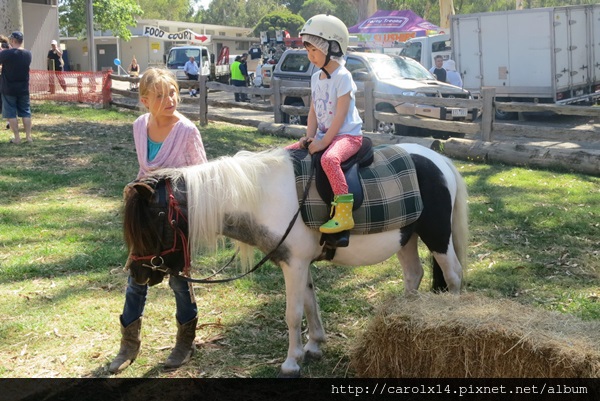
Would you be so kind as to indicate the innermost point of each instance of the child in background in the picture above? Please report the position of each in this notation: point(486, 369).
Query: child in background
point(334, 124)
point(163, 138)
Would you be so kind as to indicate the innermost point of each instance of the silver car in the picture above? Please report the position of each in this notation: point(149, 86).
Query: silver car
point(395, 75)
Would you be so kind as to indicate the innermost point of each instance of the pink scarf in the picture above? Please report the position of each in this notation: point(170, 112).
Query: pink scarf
point(182, 147)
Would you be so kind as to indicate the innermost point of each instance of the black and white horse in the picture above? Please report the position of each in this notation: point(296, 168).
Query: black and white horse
point(252, 197)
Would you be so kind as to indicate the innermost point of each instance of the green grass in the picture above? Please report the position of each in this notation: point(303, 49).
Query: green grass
point(535, 238)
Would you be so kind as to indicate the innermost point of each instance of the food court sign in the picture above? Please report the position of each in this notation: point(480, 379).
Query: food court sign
point(186, 35)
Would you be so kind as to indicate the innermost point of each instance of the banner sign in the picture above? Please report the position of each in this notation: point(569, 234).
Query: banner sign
point(187, 35)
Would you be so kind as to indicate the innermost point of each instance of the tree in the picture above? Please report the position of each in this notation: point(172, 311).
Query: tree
point(347, 12)
point(314, 7)
point(280, 20)
point(109, 15)
point(171, 10)
point(243, 13)
point(226, 12)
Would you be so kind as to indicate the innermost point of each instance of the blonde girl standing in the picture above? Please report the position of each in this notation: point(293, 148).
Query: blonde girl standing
point(163, 138)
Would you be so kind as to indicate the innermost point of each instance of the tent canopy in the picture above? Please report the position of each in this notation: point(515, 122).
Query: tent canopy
point(389, 28)
point(384, 21)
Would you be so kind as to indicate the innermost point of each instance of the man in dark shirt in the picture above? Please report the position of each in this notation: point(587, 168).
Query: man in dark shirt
point(56, 63)
point(15, 85)
point(438, 70)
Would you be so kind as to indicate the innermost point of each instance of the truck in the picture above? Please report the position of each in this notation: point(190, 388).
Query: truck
point(389, 74)
point(179, 55)
point(541, 55)
point(425, 48)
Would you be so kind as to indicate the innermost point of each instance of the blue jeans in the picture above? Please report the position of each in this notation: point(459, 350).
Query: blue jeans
point(239, 97)
point(135, 300)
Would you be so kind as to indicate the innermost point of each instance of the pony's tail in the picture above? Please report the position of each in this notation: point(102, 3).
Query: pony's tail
point(460, 233)
point(460, 222)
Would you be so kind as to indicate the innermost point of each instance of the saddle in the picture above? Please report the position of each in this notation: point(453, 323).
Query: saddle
point(388, 188)
point(350, 167)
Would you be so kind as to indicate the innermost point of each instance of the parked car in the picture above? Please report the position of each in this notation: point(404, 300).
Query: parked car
point(391, 74)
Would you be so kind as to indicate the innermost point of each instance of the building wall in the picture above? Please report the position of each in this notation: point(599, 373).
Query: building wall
point(150, 52)
point(40, 26)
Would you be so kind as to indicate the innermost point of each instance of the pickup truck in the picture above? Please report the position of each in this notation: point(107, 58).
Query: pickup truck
point(391, 74)
point(179, 55)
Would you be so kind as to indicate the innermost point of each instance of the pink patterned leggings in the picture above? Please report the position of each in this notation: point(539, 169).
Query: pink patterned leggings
point(339, 150)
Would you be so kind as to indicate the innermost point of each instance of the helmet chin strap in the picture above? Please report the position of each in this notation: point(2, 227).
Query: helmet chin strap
point(328, 58)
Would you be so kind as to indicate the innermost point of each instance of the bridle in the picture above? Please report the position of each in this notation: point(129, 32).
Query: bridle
point(177, 219)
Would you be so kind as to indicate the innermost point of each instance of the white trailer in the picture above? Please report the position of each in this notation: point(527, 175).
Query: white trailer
point(546, 55)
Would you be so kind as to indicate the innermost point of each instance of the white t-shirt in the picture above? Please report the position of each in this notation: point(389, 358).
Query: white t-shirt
point(325, 94)
point(453, 78)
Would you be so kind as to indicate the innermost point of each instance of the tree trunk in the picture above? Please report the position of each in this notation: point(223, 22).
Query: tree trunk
point(366, 8)
point(446, 11)
point(11, 17)
point(585, 161)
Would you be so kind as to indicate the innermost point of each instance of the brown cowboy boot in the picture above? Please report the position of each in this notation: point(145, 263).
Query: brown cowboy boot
point(184, 345)
point(131, 339)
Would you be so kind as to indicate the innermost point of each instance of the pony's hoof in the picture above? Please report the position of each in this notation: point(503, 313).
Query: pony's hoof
point(288, 375)
point(312, 356)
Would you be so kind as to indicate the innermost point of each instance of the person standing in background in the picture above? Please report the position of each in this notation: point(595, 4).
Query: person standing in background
point(452, 76)
point(134, 72)
point(15, 64)
point(3, 45)
point(56, 64)
point(438, 70)
point(244, 70)
point(191, 70)
point(237, 78)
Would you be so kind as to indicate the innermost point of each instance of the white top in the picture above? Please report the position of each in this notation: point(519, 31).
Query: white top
point(325, 93)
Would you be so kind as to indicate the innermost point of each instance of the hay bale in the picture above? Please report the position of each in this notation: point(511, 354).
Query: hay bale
point(443, 335)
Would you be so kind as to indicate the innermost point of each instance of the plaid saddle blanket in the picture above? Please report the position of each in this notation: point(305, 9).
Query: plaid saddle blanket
point(391, 193)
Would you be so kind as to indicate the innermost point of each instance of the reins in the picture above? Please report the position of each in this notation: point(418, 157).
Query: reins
point(156, 262)
point(207, 280)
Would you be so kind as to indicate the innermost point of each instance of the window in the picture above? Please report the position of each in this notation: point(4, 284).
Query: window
point(295, 63)
point(413, 51)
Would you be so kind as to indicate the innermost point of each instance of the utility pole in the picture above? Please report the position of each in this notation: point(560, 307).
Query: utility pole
point(90, 35)
point(11, 17)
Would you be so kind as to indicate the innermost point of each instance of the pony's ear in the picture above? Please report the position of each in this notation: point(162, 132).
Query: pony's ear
point(142, 188)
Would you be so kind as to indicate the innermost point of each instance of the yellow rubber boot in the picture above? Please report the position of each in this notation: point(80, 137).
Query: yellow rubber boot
point(341, 219)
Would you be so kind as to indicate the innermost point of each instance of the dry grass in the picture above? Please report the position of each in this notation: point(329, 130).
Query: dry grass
point(473, 336)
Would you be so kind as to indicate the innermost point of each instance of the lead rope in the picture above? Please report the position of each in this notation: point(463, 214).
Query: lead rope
point(267, 256)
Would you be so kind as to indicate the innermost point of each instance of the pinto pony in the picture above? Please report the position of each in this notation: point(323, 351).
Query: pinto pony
point(252, 198)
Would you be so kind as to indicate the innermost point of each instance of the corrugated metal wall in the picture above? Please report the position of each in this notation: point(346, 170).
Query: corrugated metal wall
point(40, 26)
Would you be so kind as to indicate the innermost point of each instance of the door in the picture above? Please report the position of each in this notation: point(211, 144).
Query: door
point(561, 49)
point(105, 56)
point(530, 53)
point(578, 46)
point(467, 51)
point(495, 57)
point(594, 18)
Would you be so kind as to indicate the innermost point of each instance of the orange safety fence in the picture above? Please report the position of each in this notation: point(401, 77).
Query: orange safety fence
point(70, 86)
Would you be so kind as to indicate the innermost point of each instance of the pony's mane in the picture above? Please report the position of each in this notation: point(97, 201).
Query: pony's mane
point(220, 187)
